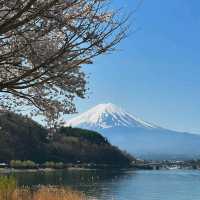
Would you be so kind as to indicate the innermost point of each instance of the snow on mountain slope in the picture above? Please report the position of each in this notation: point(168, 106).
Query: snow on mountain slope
point(104, 116)
point(140, 138)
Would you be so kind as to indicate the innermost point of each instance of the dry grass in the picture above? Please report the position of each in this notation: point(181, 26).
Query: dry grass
point(47, 193)
point(9, 191)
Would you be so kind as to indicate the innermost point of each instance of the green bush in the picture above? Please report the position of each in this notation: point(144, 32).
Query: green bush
point(23, 164)
point(54, 165)
point(8, 186)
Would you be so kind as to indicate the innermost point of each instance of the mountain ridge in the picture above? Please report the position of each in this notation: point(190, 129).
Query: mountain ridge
point(138, 137)
point(108, 115)
point(21, 138)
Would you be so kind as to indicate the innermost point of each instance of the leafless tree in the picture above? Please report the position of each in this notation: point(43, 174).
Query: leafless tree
point(44, 43)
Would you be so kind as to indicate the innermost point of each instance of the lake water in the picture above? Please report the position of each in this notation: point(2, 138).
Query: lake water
point(122, 184)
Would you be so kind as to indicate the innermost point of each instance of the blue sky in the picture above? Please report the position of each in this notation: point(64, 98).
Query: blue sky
point(156, 73)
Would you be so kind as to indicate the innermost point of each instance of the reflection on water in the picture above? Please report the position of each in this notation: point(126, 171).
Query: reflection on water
point(95, 183)
point(121, 184)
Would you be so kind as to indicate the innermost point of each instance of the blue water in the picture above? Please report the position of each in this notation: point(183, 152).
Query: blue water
point(158, 185)
point(122, 184)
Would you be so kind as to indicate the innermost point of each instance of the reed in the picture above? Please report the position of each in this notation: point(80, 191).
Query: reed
point(10, 191)
point(47, 193)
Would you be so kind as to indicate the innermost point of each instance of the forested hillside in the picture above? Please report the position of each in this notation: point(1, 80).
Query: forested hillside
point(23, 139)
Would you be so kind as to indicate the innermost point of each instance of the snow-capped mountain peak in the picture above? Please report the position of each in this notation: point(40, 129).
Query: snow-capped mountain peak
point(140, 138)
point(104, 116)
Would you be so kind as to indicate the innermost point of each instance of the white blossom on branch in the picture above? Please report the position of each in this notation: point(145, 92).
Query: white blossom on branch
point(44, 43)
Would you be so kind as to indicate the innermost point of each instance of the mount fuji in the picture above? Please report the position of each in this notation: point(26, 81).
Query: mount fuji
point(140, 138)
point(104, 116)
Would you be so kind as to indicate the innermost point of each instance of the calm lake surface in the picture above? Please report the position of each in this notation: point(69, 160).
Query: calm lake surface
point(122, 184)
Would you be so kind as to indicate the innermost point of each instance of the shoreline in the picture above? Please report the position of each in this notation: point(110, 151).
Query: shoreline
point(168, 165)
point(69, 168)
point(13, 170)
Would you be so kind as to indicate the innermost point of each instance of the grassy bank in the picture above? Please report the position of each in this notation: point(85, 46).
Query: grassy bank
point(10, 191)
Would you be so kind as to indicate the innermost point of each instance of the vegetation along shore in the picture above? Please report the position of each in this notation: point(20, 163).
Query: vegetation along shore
point(10, 191)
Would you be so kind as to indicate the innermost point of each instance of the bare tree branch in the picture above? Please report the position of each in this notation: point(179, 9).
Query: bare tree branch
point(44, 43)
